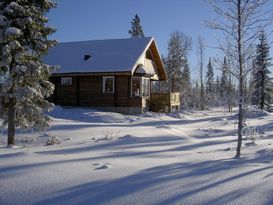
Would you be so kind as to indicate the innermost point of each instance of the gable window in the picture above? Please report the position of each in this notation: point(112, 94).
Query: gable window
point(66, 81)
point(108, 84)
point(140, 86)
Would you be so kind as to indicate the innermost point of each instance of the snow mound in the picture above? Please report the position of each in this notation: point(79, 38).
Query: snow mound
point(89, 115)
point(181, 114)
point(252, 113)
point(13, 146)
point(151, 114)
point(255, 113)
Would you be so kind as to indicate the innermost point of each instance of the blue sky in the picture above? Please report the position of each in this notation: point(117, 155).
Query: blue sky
point(106, 19)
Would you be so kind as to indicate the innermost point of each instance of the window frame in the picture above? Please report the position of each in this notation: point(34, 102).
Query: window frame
point(140, 87)
point(63, 81)
point(141, 79)
point(104, 79)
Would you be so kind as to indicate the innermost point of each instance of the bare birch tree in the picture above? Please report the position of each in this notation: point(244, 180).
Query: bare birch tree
point(239, 21)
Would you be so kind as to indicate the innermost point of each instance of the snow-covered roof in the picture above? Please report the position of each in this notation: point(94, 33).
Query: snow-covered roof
point(114, 55)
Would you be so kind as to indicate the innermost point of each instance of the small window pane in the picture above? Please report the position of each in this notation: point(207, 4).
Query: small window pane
point(155, 86)
point(140, 86)
point(136, 86)
point(108, 84)
point(145, 87)
point(66, 81)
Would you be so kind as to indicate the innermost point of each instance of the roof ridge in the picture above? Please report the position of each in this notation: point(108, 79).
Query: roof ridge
point(113, 39)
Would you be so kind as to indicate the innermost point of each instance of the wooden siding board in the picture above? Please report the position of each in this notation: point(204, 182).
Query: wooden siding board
point(122, 88)
point(87, 91)
point(65, 95)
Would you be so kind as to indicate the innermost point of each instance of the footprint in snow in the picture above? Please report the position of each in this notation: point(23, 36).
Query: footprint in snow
point(102, 166)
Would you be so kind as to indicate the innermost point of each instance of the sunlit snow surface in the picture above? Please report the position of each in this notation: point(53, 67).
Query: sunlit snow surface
point(108, 158)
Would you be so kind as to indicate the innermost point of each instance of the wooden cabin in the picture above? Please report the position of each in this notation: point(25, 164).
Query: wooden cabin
point(115, 75)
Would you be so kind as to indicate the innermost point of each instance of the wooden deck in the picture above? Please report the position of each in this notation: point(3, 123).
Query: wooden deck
point(164, 102)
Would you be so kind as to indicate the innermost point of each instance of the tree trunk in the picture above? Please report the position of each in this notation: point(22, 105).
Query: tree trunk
point(241, 93)
point(240, 122)
point(202, 106)
point(11, 123)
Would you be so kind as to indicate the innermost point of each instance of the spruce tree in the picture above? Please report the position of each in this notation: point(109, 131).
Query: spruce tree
point(186, 85)
point(186, 74)
point(23, 43)
point(217, 88)
point(217, 85)
point(262, 82)
point(174, 62)
point(136, 28)
point(209, 78)
point(209, 82)
point(253, 98)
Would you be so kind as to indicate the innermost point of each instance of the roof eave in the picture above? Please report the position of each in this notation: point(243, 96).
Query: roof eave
point(91, 73)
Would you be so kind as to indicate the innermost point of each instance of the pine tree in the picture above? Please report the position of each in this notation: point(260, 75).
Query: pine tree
point(262, 82)
point(217, 86)
point(210, 82)
point(174, 62)
point(136, 28)
point(186, 74)
point(186, 85)
point(23, 43)
point(251, 83)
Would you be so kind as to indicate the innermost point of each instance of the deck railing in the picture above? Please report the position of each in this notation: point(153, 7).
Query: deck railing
point(164, 102)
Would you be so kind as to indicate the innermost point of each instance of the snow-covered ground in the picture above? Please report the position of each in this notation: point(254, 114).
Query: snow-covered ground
point(109, 158)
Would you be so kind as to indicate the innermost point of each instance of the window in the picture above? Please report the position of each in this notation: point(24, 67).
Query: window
point(136, 86)
point(155, 86)
point(145, 87)
point(108, 84)
point(140, 86)
point(66, 81)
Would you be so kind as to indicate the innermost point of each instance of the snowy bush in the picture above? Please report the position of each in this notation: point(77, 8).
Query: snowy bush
point(251, 113)
point(52, 140)
point(253, 133)
point(110, 134)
